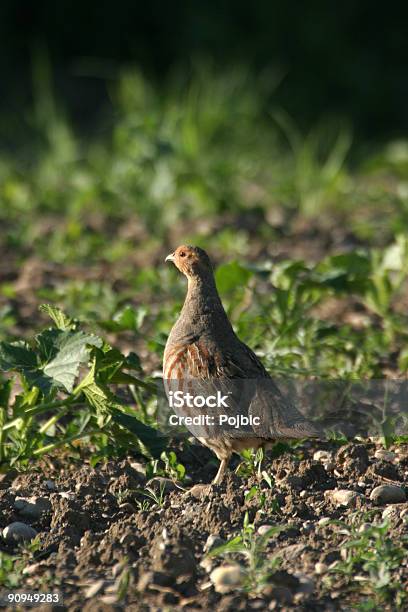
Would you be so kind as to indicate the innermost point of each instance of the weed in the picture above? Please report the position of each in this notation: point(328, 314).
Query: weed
point(258, 565)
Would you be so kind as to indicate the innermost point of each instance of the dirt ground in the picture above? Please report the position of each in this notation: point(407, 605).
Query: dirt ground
point(105, 551)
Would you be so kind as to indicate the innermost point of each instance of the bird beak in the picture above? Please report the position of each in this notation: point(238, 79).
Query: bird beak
point(170, 257)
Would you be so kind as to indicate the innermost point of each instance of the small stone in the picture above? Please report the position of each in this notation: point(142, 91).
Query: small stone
point(67, 495)
point(262, 529)
point(94, 589)
point(278, 595)
point(33, 507)
point(206, 564)
point(321, 568)
point(127, 507)
point(213, 541)
point(329, 466)
point(160, 483)
point(344, 497)
point(18, 532)
point(303, 494)
point(325, 520)
point(140, 468)
point(306, 584)
point(292, 551)
point(109, 600)
point(391, 511)
point(322, 455)
point(116, 569)
point(29, 570)
point(50, 485)
point(199, 491)
point(227, 578)
point(384, 455)
point(388, 494)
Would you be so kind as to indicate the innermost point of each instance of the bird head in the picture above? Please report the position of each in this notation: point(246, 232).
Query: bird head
point(191, 261)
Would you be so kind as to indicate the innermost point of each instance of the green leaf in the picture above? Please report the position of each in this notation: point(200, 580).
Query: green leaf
point(127, 319)
point(71, 350)
point(16, 356)
point(153, 441)
point(61, 320)
point(231, 275)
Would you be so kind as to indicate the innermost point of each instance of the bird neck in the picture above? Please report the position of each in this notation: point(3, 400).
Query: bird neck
point(202, 294)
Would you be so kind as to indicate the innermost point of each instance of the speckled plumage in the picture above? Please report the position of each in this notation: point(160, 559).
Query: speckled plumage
point(203, 346)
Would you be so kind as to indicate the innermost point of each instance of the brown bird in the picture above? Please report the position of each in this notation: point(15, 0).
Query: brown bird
point(202, 349)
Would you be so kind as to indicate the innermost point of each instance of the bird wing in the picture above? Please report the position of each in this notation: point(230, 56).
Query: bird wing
point(277, 417)
point(201, 368)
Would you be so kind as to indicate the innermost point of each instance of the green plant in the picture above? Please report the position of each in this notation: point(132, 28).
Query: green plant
point(66, 376)
point(154, 497)
point(369, 556)
point(168, 466)
point(258, 565)
point(11, 568)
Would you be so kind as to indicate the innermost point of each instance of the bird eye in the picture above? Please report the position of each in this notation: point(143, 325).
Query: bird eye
point(182, 254)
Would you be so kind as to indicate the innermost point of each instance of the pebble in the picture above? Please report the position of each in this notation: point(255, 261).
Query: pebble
point(279, 595)
point(344, 497)
point(322, 455)
point(160, 483)
point(18, 532)
point(391, 511)
point(385, 455)
point(321, 568)
point(33, 507)
point(138, 467)
point(292, 551)
point(262, 529)
point(306, 584)
point(94, 589)
point(227, 578)
point(388, 494)
point(117, 569)
point(50, 485)
point(127, 507)
point(29, 570)
point(213, 541)
point(329, 466)
point(207, 564)
point(67, 495)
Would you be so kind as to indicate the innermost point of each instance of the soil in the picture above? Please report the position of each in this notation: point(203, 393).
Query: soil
point(104, 550)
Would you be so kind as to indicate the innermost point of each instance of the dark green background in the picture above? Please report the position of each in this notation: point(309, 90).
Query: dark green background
point(342, 58)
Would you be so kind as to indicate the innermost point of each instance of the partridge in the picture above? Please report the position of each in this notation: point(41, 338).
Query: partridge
point(203, 347)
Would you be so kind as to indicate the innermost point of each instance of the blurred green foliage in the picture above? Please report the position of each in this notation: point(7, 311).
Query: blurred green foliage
point(86, 224)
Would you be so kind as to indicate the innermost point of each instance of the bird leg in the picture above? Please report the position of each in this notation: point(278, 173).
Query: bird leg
point(221, 471)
